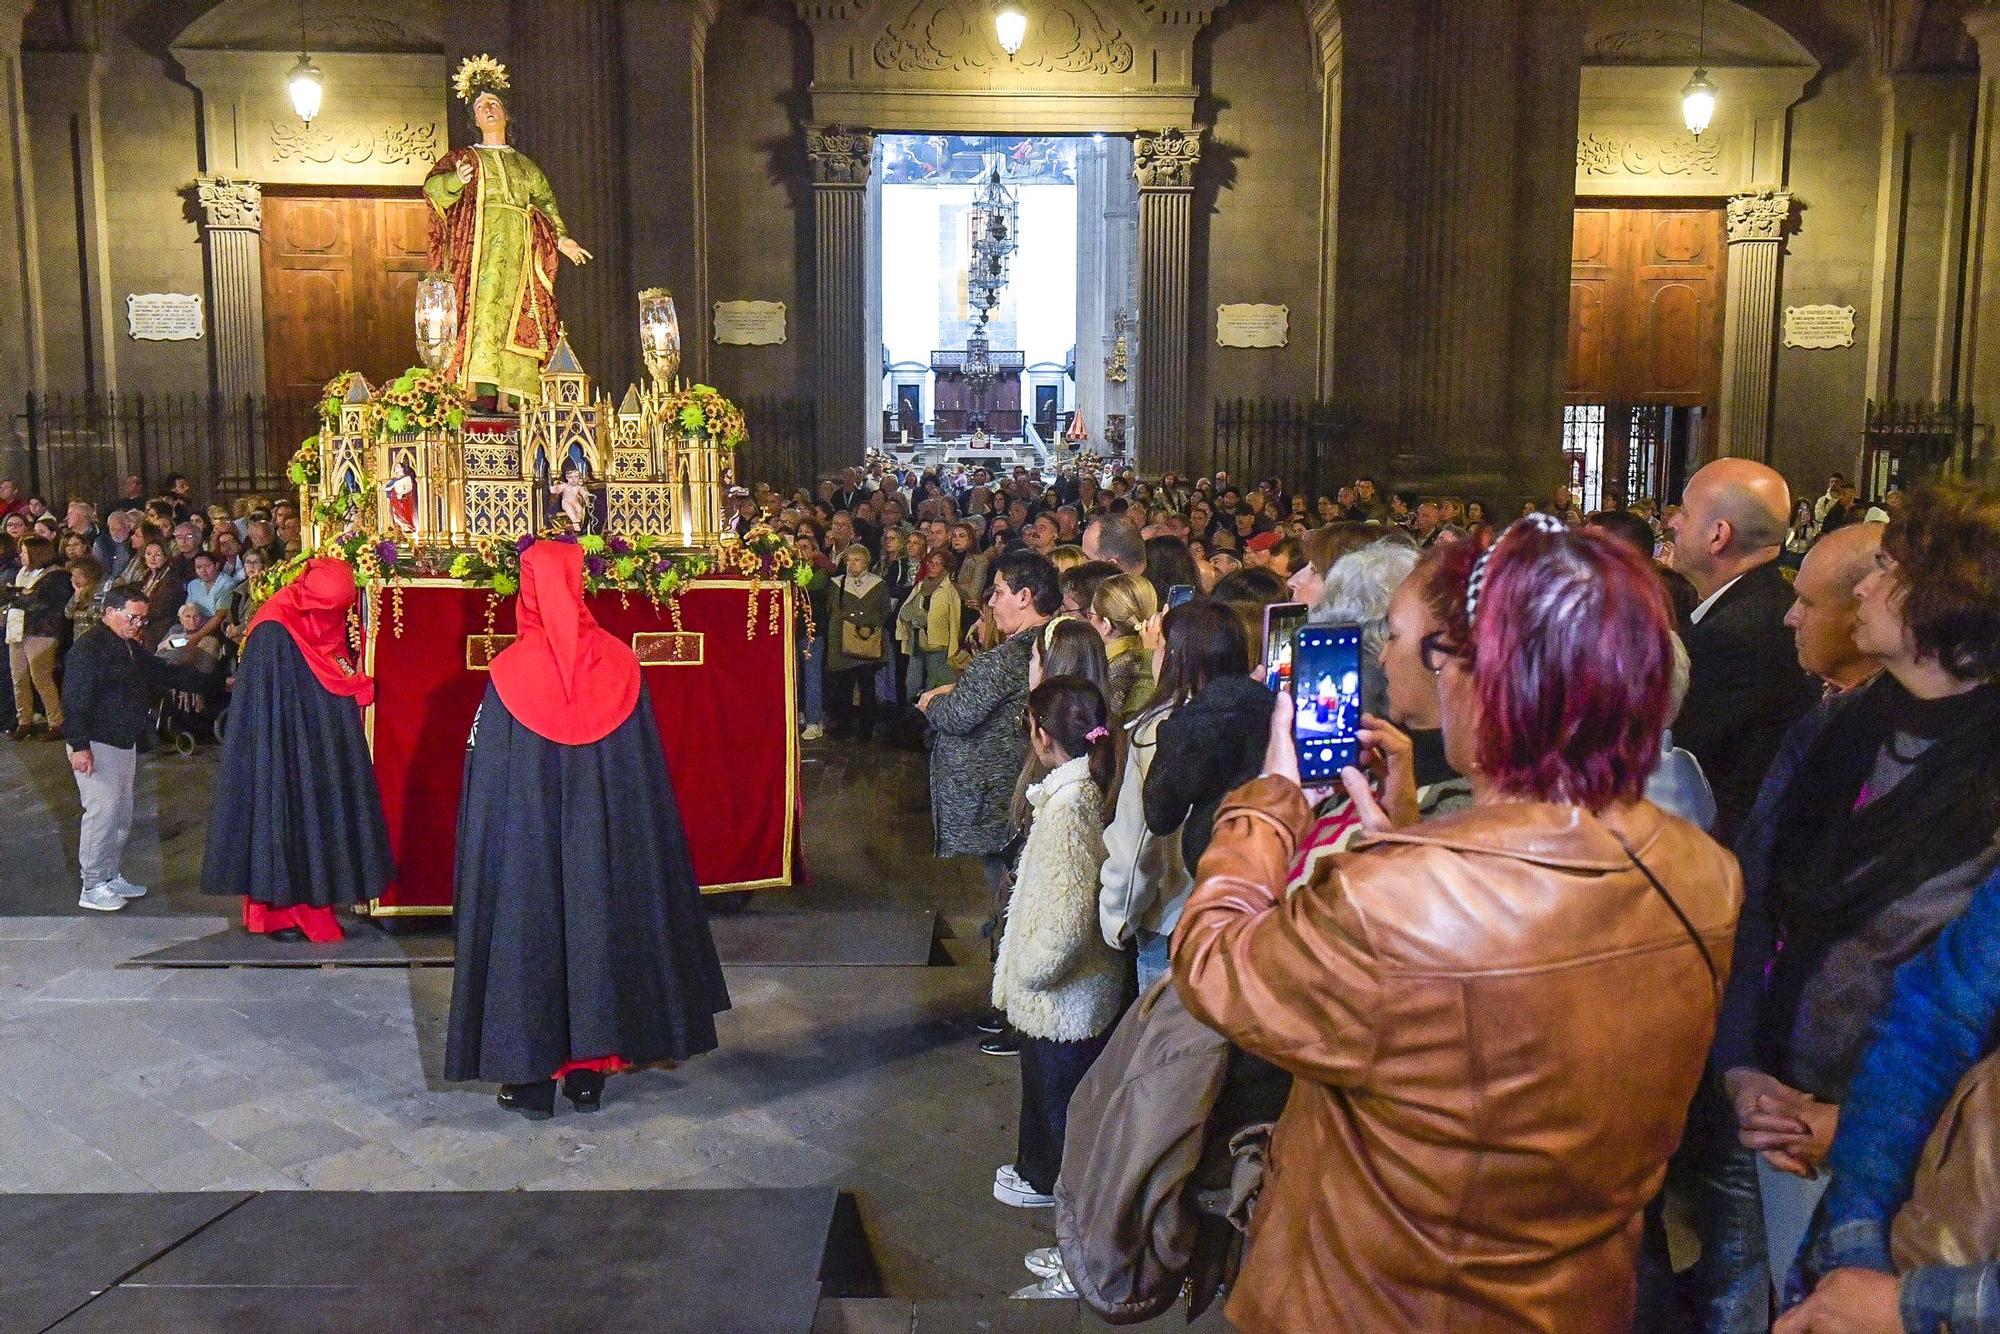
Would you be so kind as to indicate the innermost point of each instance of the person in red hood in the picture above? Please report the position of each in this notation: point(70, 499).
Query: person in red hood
point(297, 830)
point(582, 946)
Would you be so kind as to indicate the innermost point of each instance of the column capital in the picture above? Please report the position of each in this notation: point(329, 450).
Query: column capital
point(1165, 159)
point(1984, 25)
point(230, 205)
point(840, 156)
point(1759, 215)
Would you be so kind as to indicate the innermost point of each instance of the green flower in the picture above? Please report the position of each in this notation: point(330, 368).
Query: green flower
point(397, 420)
point(461, 566)
point(455, 418)
point(691, 418)
point(625, 567)
point(506, 584)
point(592, 543)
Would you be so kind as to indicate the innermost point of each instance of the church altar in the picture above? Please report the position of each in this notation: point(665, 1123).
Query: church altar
point(720, 674)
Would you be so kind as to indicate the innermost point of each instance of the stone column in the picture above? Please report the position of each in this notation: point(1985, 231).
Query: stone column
point(1325, 20)
point(232, 221)
point(82, 324)
point(570, 105)
point(1979, 344)
point(23, 367)
point(871, 309)
point(841, 160)
point(1164, 163)
point(1756, 224)
point(666, 132)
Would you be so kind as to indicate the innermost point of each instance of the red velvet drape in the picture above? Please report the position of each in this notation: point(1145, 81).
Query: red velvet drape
point(729, 728)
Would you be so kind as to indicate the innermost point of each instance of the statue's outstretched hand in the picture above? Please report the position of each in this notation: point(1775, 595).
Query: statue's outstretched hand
point(465, 173)
point(575, 253)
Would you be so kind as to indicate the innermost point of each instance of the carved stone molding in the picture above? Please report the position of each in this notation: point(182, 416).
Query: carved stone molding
point(1166, 159)
point(393, 145)
point(230, 205)
point(1610, 153)
point(1646, 44)
point(950, 36)
point(1761, 215)
point(839, 156)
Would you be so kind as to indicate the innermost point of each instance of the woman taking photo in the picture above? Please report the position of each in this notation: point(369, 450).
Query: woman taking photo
point(1495, 1019)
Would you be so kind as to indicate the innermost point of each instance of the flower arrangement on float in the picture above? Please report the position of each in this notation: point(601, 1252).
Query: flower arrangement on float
point(418, 400)
point(703, 412)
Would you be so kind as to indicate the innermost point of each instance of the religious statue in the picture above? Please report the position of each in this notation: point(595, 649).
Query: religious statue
point(496, 232)
point(401, 488)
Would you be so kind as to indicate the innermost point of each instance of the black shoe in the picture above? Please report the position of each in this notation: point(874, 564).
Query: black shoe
point(536, 1101)
point(584, 1089)
point(287, 934)
point(992, 1022)
point(1006, 1044)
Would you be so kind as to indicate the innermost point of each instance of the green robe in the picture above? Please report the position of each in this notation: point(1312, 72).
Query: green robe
point(510, 185)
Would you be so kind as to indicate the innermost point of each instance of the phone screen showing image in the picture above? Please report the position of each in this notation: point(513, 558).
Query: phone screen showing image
point(1326, 689)
point(1281, 619)
point(1179, 594)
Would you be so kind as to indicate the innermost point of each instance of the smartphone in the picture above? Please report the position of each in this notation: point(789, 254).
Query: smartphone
point(1326, 693)
point(1178, 594)
point(1281, 620)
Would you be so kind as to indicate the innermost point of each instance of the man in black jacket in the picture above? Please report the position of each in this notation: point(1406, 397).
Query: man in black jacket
point(1746, 688)
point(107, 696)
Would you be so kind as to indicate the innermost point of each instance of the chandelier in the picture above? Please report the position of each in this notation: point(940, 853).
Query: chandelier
point(995, 227)
point(979, 374)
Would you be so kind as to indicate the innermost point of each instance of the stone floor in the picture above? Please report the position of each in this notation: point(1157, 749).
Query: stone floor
point(120, 1079)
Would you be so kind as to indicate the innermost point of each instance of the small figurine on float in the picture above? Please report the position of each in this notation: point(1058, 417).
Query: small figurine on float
point(401, 489)
point(496, 232)
point(572, 496)
point(582, 946)
point(297, 829)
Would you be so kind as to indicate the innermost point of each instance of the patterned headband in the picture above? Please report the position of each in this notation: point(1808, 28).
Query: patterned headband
point(1474, 586)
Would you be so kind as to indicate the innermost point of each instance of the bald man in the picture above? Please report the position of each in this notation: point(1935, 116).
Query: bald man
point(1746, 687)
point(1823, 606)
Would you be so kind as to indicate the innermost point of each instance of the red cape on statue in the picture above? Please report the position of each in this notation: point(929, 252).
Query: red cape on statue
point(314, 607)
point(564, 678)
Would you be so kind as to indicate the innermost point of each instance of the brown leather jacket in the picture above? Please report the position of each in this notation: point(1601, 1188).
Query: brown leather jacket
point(1496, 1025)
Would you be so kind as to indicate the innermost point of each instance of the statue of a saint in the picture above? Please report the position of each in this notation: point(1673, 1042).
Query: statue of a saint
point(496, 231)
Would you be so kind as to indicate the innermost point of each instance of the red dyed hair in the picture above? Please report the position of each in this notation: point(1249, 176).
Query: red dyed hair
point(1573, 661)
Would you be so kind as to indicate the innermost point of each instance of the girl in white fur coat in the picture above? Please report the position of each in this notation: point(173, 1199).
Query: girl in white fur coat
point(1059, 984)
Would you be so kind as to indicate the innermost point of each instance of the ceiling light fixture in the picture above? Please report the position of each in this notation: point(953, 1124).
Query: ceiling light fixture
point(1698, 97)
point(1010, 25)
point(304, 80)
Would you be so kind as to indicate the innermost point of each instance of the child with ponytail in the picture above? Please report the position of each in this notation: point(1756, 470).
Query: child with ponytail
point(1060, 986)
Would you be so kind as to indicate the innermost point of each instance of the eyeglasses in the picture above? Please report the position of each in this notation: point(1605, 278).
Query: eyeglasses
point(1434, 650)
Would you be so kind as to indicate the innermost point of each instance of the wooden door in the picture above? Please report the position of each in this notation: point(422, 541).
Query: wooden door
point(340, 280)
point(1645, 342)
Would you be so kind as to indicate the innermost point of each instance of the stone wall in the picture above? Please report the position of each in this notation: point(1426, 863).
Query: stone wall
point(760, 217)
point(1258, 189)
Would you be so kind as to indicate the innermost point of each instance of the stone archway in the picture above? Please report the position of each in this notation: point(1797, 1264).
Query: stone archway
point(1631, 144)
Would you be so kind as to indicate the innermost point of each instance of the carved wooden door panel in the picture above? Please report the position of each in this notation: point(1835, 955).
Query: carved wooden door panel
point(340, 276)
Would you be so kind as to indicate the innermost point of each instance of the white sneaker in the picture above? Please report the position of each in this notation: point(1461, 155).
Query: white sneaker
point(124, 888)
point(100, 898)
point(1056, 1287)
point(1010, 1187)
point(1044, 1261)
point(812, 732)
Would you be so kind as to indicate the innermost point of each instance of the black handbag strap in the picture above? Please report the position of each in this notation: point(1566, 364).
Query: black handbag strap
point(1707, 959)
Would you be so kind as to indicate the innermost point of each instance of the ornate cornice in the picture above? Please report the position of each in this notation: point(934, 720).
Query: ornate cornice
point(1166, 159)
point(230, 205)
point(839, 156)
point(1760, 215)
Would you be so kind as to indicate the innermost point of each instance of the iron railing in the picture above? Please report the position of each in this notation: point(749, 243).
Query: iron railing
point(1908, 442)
point(1307, 442)
point(783, 448)
point(80, 446)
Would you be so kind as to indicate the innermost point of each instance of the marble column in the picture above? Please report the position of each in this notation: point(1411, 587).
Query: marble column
point(570, 112)
point(1324, 18)
point(1106, 245)
point(841, 160)
point(666, 122)
point(871, 308)
point(1756, 224)
point(232, 218)
point(1979, 344)
point(1164, 163)
point(23, 366)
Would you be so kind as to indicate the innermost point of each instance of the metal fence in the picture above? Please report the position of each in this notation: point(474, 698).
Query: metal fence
point(1307, 442)
point(79, 446)
point(783, 448)
point(1906, 443)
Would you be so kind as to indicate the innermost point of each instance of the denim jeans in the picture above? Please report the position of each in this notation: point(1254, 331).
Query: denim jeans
point(1050, 1072)
point(1728, 1288)
point(812, 657)
point(927, 668)
point(1154, 959)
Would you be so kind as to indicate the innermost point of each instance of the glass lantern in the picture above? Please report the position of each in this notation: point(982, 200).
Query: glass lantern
point(437, 320)
point(659, 334)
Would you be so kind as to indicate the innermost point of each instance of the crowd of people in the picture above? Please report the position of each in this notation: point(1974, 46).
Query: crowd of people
point(1668, 870)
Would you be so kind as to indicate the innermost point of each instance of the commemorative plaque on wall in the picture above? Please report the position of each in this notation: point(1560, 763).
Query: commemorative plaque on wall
point(1250, 324)
point(163, 317)
point(750, 323)
point(1819, 326)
